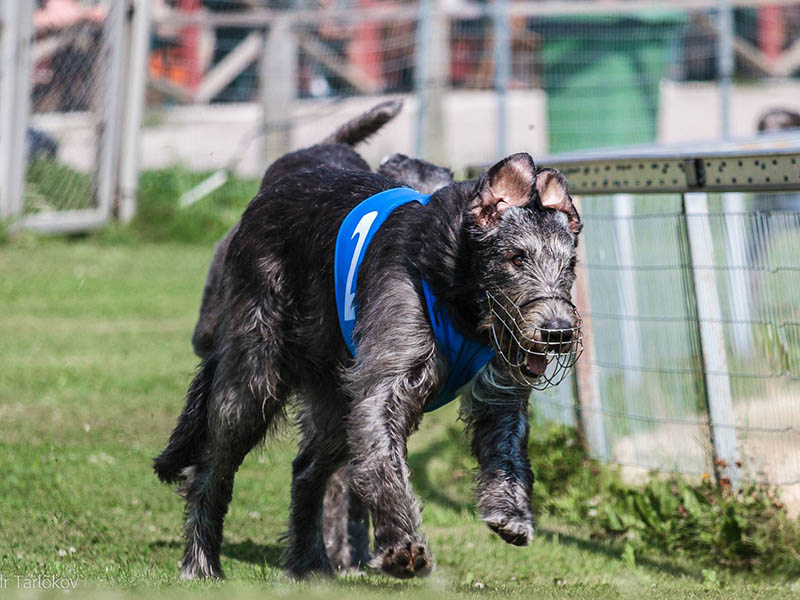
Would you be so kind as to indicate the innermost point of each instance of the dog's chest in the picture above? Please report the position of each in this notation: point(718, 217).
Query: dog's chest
point(464, 356)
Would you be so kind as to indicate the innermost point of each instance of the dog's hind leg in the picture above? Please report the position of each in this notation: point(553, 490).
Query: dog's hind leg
point(495, 409)
point(322, 450)
point(345, 524)
point(239, 416)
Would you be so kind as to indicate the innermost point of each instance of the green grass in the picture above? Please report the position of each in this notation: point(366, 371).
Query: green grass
point(159, 217)
point(53, 186)
point(94, 360)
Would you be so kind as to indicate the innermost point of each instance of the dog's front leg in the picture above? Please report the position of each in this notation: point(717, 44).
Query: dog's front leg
point(495, 409)
point(379, 426)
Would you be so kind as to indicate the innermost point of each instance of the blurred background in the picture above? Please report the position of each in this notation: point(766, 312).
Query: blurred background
point(692, 303)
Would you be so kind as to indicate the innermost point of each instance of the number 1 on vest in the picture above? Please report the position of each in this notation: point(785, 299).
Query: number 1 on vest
point(361, 231)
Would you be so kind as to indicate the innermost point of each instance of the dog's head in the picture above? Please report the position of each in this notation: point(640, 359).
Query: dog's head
point(523, 228)
point(423, 176)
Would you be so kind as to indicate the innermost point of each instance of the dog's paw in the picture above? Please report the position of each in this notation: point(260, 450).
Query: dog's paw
point(409, 558)
point(514, 530)
point(199, 569)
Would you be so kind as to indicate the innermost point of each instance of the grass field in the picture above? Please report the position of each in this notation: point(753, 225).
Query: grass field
point(94, 360)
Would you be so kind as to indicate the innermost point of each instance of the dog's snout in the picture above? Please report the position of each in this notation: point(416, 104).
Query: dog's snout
point(556, 332)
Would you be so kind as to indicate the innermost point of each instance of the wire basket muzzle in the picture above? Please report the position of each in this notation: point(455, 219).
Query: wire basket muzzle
point(538, 357)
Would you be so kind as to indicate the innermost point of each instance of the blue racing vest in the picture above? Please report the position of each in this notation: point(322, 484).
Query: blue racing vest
point(465, 356)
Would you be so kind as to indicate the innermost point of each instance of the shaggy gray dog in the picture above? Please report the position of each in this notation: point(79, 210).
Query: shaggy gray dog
point(496, 255)
point(346, 519)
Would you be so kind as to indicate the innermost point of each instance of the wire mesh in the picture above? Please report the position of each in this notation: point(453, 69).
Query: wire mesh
point(647, 354)
point(67, 97)
point(576, 80)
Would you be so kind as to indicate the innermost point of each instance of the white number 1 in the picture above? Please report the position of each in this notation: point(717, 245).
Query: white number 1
point(361, 231)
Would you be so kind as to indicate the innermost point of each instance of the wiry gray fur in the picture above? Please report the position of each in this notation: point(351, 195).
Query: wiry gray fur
point(423, 176)
point(514, 229)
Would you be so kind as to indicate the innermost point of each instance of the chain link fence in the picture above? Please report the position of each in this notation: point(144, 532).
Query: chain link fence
point(232, 84)
point(62, 75)
point(548, 77)
point(68, 85)
point(694, 360)
point(649, 358)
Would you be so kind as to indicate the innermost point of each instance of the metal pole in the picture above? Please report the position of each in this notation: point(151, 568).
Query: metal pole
point(725, 64)
point(15, 117)
point(589, 401)
point(736, 254)
point(135, 97)
point(22, 108)
point(502, 70)
point(432, 73)
point(278, 80)
point(712, 338)
point(8, 50)
point(628, 298)
point(422, 72)
point(113, 60)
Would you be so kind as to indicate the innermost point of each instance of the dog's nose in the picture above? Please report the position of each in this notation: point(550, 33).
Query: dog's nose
point(556, 332)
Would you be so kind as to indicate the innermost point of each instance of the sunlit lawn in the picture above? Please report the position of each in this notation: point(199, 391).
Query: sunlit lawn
point(94, 360)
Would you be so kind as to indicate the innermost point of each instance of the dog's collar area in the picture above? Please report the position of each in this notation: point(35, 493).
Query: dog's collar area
point(538, 357)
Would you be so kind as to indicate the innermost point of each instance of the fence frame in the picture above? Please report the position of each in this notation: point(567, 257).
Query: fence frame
point(15, 84)
point(729, 170)
point(768, 163)
point(15, 90)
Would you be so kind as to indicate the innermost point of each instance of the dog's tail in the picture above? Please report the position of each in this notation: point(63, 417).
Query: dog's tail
point(185, 442)
point(366, 124)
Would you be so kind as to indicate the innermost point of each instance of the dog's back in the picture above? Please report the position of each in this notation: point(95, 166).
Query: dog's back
point(335, 151)
point(284, 257)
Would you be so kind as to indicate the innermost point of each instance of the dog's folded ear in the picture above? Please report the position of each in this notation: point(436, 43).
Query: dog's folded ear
point(551, 189)
point(508, 183)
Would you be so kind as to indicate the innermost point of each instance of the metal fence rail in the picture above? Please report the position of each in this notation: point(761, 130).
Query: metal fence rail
point(693, 299)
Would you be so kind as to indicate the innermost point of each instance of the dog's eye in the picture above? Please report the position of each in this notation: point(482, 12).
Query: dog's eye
point(518, 260)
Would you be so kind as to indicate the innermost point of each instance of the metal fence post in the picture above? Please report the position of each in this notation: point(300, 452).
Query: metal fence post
point(113, 61)
point(8, 33)
point(725, 63)
point(628, 297)
point(502, 70)
point(736, 253)
point(134, 107)
point(278, 80)
point(712, 337)
point(589, 401)
point(15, 85)
point(432, 74)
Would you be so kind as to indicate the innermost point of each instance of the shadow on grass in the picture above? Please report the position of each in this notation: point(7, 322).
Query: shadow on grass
point(610, 551)
point(425, 487)
point(254, 553)
point(245, 551)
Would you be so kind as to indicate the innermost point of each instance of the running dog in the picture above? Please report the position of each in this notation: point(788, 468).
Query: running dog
point(366, 305)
